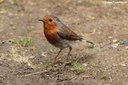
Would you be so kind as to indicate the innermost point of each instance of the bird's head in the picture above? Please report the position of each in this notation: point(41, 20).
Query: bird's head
point(50, 20)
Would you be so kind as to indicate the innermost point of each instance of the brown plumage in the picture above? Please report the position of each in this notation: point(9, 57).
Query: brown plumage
point(59, 34)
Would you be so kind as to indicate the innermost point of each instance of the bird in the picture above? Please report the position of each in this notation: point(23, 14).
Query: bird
point(58, 34)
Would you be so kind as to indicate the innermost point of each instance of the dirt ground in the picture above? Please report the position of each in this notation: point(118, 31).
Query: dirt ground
point(106, 24)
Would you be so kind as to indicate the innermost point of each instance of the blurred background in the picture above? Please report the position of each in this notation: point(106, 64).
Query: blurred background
point(26, 56)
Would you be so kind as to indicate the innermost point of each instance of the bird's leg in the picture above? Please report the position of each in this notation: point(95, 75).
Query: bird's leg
point(58, 53)
point(70, 48)
point(67, 61)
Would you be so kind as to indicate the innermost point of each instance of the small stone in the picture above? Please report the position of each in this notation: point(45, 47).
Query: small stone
point(43, 54)
point(122, 64)
point(85, 64)
point(115, 45)
point(126, 47)
point(115, 40)
point(110, 37)
point(32, 56)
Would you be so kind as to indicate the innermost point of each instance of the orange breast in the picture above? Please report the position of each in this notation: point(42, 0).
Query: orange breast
point(51, 35)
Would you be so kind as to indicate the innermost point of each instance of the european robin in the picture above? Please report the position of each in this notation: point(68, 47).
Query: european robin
point(58, 34)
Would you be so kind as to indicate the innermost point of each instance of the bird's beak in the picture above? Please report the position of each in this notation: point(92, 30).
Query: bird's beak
point(41, 20)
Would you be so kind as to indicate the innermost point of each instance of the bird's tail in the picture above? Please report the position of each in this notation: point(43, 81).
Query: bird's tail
point(88, 43)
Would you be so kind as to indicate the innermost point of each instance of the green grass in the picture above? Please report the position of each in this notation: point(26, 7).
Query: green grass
point(23, 41)
point(73, 66)
point(84, 1)
point(77, 67)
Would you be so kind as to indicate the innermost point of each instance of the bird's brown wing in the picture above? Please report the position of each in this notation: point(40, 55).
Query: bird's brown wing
point(65, 33)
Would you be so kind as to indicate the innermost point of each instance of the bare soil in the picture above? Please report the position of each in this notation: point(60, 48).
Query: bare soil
point(104, 24)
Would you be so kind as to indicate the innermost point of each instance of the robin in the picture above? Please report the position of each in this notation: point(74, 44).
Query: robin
point(58, 34)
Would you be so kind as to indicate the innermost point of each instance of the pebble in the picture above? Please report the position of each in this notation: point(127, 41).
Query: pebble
point(126, 47)
point(115, 45)
point(85, 64)
point(115, 40)
point(110, 37)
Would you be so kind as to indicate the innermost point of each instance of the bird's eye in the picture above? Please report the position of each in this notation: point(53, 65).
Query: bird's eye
point(50, 20)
